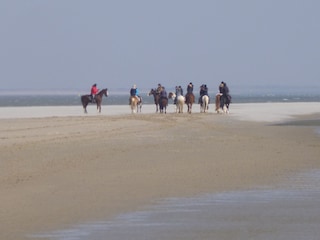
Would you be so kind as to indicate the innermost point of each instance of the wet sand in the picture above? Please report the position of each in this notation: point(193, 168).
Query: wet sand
point(65, 170)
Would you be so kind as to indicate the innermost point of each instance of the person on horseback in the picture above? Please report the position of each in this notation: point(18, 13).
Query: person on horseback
point(94, 91)
point(134, 92)
point(203, 91)
point(190, 88)
point(224, 94)
point(159, 88)
point(163, 93)
point(179, 92)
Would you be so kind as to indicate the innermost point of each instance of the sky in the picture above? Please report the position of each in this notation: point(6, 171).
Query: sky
point(72, 44)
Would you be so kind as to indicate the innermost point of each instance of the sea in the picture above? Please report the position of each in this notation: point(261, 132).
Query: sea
point(25, 98)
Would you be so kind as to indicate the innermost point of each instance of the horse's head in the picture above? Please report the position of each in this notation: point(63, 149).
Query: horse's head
point(106, 92)
point(172, 95)
point(152, 91)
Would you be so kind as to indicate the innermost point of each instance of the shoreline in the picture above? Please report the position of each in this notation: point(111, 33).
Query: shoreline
point(60, 171)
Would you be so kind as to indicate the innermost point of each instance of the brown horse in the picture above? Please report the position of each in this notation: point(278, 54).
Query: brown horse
point(190, 99)
point(163, 103)
point(86, 99)
point(135, 104)
point(156, 97)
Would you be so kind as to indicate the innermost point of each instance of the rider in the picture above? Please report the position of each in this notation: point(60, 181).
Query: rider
point(94, 91)
point(190, 88)
point(190, 92)
point(203, 91)
point(163, 93)
point(159, 88)
point(224, 94)
point(135, 93)
point(179, 92)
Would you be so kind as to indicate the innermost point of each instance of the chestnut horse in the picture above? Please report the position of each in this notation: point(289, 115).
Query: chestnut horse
point(86, 99)
point(156, 97)
point(135, 104)
point(189, 101)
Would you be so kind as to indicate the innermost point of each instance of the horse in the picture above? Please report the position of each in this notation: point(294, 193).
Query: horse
point(179, 102)
point(135, 104)
point(204, 105)
point(189, 101)
point(163, 103)
point(86, 99)
point(156, 97)
point(226, 104)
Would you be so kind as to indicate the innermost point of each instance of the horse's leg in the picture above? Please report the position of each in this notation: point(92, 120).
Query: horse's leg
point(85, 108)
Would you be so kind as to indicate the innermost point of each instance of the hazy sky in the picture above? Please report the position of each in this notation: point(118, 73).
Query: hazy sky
point(71, 44)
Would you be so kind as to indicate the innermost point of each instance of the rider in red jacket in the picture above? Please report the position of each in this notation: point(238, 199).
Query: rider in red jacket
point(94, 91)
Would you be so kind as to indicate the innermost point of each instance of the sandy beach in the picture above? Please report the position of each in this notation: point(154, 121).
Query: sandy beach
point(60, 167)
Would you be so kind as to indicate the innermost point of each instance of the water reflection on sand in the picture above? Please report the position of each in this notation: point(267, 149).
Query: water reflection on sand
point(291, 212)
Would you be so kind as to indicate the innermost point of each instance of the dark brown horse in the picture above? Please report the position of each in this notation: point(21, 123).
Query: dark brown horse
point(156, 97)
point(163, 103)
point(86, 99)
point(190, 99)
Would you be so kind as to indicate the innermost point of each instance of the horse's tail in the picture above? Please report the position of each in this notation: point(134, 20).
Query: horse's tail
point(82, 98)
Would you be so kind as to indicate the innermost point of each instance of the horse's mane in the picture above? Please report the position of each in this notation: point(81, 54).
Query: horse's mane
point(102, 90)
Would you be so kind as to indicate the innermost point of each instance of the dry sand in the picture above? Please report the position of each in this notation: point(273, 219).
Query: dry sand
point(59, 171)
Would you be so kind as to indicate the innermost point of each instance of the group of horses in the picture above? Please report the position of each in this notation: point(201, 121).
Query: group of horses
point(189, 100)
point(161, 103)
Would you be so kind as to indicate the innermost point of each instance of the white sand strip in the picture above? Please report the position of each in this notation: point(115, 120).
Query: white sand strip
point(273, 112)
point(267, 112)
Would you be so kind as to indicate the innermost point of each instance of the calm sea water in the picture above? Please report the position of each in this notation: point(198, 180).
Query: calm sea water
point(11, 100)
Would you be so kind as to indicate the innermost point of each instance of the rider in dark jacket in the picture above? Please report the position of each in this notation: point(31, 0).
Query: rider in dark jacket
point(225, 96)
point(163, 93)
point(179, 92)
point(190, 88)
point(203, 91)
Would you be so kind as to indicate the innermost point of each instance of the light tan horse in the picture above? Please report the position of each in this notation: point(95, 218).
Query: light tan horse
point(135, 104)
point(218, 95)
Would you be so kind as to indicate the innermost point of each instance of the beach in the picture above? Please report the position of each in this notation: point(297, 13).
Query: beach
point(60, 167)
